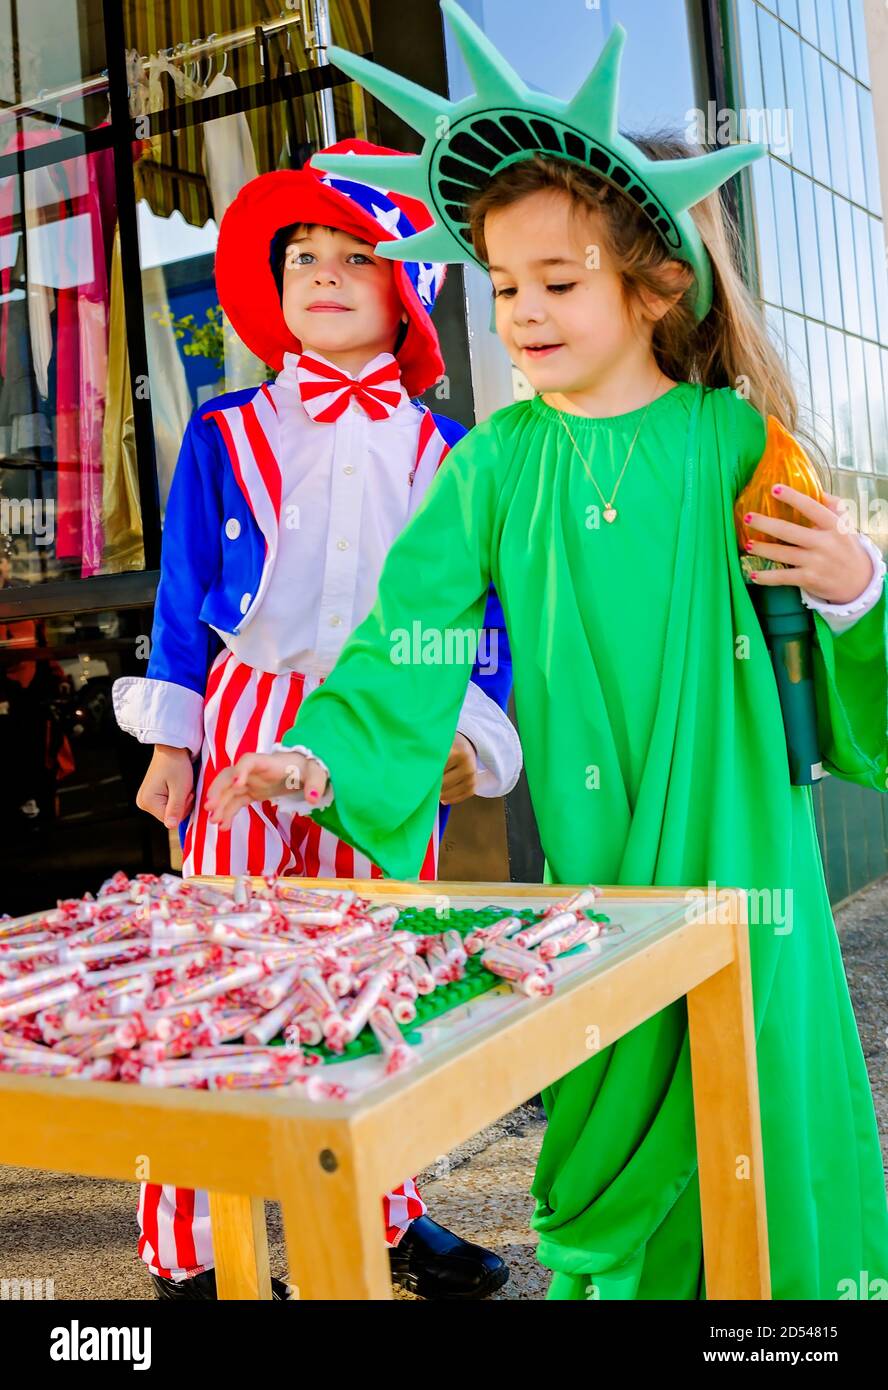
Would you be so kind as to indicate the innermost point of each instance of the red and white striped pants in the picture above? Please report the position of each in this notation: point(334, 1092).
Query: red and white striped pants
point(246, 709)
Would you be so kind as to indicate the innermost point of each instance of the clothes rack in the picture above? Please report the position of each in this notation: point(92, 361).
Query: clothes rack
point(318, 34)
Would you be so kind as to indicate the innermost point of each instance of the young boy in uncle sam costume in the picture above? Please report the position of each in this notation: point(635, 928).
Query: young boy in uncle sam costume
point(284, 503)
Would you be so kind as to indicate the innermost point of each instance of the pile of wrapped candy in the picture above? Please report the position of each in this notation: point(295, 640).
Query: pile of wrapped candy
point(165, 982)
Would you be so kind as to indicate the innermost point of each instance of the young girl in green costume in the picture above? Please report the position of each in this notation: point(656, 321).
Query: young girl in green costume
point(602, 509)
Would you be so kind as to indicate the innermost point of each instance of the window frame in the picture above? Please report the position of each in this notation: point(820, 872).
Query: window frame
point(135, 588)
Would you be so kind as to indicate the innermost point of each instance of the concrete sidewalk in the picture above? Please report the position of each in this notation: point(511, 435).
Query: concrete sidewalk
point(82, 1233)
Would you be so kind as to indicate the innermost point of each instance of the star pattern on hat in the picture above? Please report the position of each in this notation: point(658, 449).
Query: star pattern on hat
point(388, 219)
point(426, 282)
point(394, 223)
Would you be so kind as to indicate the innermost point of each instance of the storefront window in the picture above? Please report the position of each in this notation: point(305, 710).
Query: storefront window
point(58, 210)
point(110, 329)
point(214, 111)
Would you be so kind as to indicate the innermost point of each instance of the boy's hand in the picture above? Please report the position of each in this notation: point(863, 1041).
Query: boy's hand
point(167, 793)
point(824, 558)
point(263, 777)
point(460, 772)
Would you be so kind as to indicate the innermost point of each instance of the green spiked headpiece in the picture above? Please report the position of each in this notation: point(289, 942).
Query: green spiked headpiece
point(468, 142)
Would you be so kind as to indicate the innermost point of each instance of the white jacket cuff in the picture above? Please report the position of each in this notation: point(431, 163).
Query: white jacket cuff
point(295, 801)
point(496, 742)
point(841, 616)
point(159, 712)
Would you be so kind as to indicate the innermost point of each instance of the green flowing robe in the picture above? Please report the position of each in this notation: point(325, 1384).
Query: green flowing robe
point(655, 754)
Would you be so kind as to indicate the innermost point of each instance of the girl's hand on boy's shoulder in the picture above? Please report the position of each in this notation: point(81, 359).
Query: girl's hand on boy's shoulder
point(460, 772)
point(263, 777)
point(825, 558)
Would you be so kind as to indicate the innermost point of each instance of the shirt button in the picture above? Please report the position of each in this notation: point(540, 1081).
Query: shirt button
point(335, 620)
point(349, 468)
point(342, 545)
point(232, 528)
point(245, 602)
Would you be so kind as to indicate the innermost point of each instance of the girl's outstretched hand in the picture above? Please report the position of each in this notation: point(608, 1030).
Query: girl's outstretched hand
point(263, 777)
point(824, 558)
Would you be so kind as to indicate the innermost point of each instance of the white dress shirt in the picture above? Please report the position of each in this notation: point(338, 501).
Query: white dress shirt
point(344, 500)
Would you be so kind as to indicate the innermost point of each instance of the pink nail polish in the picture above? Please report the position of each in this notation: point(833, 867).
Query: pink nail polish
point(749, 545)
point(776, 488)
point(312, 796)
point(748, 517)
point(753, 576)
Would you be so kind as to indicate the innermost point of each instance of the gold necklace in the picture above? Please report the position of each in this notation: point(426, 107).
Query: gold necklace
point(610, 511)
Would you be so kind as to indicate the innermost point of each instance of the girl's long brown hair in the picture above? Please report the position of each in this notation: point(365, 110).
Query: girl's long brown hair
point(731, 346)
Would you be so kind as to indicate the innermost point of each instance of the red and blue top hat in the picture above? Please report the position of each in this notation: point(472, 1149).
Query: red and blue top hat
point(245, 276)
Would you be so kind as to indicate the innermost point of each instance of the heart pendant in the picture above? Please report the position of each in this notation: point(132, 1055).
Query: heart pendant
point(610, 514)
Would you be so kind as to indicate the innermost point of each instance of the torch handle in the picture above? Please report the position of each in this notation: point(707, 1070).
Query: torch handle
point(789, 632)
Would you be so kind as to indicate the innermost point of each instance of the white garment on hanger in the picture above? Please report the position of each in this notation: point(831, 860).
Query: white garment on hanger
point(229, 161)
point(171, 403)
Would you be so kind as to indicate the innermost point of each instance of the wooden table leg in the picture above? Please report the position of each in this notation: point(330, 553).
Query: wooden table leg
point(729, 1140)
point(333, 1219)
point(240, 1246)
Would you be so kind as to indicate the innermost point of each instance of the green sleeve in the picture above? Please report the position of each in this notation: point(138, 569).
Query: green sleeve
point(385, 718)
point(749, 433)
point(851, 683)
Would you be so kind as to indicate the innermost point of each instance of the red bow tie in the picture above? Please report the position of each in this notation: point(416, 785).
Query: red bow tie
point(326, 391)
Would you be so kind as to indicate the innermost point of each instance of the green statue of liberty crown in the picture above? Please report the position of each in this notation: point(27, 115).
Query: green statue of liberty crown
point(468, 142)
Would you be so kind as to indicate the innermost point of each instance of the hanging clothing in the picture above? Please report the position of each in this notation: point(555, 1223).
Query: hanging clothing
point(654, 757)
point(171, 403)
point(77, 253)
point(121, 500)
point(162, 84)
point(229, 161)
point(92, 315)
point(26, 414)
point(26, 331)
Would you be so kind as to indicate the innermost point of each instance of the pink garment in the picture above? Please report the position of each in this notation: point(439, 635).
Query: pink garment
point(68, 529)
point(87, 205)
point(93, 322)
point(68, 525)
point(82, 368)
point(67, 447)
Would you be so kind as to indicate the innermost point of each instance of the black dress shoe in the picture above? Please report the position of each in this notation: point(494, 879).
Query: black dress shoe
point(434, 1263)
point(202, 1288)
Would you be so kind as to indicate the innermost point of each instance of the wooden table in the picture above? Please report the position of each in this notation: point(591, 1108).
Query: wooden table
point(328, 1163)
